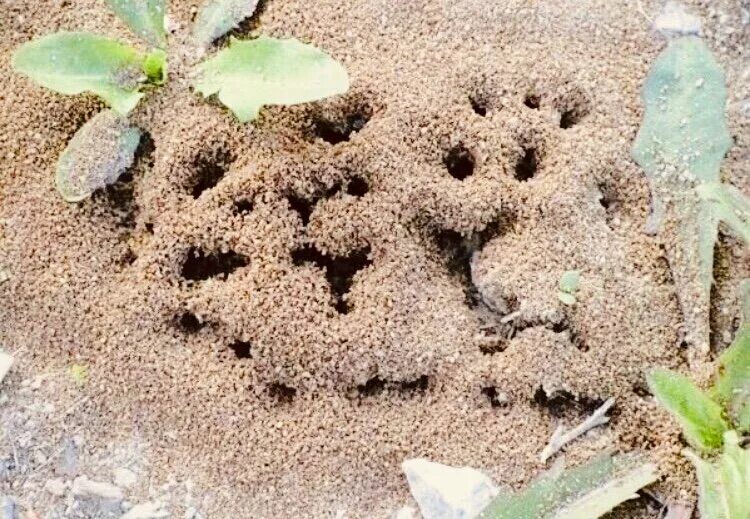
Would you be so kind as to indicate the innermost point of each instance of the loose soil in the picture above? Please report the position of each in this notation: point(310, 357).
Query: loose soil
point(275, 315)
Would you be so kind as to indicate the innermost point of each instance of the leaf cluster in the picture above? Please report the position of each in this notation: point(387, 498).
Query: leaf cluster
point(245, 76)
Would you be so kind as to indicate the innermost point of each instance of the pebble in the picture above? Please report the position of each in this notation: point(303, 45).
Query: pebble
point(6, 361)
point(444, 492)
point(8, 508)
point(55, 486)
point(124, 478)
point(85, 487)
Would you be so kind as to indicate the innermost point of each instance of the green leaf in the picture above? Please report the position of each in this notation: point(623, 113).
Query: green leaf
point(155, 67)
point(570, 280)
point(97, 154)
point(732, 388)
point(218, 17)
point(144, 17)
point(79, 373)
point(75, 62)
point(700, 417)
point(724, 486)
point(585, 492)
point(268, 71)
point(680, 145)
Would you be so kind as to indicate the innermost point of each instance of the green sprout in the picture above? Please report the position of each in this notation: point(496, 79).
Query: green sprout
point(245, 77)
point(568, 286)
point(716, 419)
point(79, 373)
point(680, 145)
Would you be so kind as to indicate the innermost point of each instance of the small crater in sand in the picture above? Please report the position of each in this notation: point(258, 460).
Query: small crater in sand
point(495, 398)
point(532, 101)
point(336, 131)
point(460, 162)
point(339, 271)
point(479, 105)
point(282, 393)
point(243, 206)
point(199, 265)
point(357, 186)
point(189, 323)
point(210, 168)
point(563, 403)
point(527, 165)
point(241, 349)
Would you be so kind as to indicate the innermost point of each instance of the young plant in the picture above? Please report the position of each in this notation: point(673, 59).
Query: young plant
point(246, 76)
point(680, 145)
point(585, 492)
point(568, 286)
point(715, 420)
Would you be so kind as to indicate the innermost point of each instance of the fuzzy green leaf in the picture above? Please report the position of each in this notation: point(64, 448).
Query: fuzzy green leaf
point(584, 492)
point(155, 67)
point(75, 62)
point(732, 388)
point(144, 17)
point(700, 417)
point(680, 145)
point(98, 153)
point(724, 486)
point(218, 17)
point(267, 71)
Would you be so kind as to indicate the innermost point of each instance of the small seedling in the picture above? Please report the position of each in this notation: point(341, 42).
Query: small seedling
point(568, 286)
point(585, 492)
point(680, 145)
point(79, 373)
point(715, 420)
point(246, 76)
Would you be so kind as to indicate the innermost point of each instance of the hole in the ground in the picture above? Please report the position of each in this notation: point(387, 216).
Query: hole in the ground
point(496, 398)
point(243, 206)
point(527, 164)
point(417, 385)
point(339, 270)
point(199, 265)
point(532, 101)
point(458, 251)
point(209, 169)
point(640, 388)
point(562, 402)
point(189, 323)
point(302, 206)
point(241, 349)
point(357, 186)
point(568, 119)
point(479, 105)
point(128, 258)
point(372, 387)
point(282, 393)
point(341, 130)
point(149, 228)
point(460, 162)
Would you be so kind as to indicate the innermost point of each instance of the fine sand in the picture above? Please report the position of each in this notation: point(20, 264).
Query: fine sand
point(275, 315)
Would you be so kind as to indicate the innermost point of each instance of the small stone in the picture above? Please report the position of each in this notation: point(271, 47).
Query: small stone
point(55, 486)
point(444, 492)
point(8, 508)
point(124, 477)
point(674, 20)
point(149, 510)
point(6, 361)
point(85, 487)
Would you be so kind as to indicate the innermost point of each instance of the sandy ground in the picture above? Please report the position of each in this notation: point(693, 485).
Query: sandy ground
point(274, 315)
